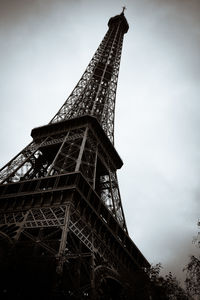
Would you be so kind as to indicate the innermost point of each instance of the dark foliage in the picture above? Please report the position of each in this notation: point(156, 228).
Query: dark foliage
point(165, 288)
point(192, 281)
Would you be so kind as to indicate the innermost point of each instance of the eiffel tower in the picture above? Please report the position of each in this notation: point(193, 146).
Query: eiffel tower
point(62, 226)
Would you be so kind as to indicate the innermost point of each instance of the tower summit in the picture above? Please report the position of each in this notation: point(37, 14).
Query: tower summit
point(62, 225)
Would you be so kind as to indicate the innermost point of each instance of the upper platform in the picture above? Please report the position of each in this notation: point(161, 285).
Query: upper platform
point(119, 19)
point(85, 120)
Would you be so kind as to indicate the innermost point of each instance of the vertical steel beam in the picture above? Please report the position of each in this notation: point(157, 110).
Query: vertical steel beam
point(54, 161)
point(95, 167)
point(78, 163)
point(92, 276)
point(65, 229)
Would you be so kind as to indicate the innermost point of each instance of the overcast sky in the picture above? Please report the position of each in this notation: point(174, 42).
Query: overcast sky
point(45, 47)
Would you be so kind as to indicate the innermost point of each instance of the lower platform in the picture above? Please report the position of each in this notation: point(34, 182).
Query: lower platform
point(59, 241)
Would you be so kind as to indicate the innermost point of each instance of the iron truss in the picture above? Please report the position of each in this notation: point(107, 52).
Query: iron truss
point(96, 90)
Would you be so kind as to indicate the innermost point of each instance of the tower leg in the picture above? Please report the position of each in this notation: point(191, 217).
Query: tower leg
point(61, 252)
point(93, 293)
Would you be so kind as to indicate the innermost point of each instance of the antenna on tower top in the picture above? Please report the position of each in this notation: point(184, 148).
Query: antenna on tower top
point(123, 9)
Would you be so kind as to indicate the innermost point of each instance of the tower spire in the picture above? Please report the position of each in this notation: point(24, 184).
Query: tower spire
point(123, 9)
point(95, 92)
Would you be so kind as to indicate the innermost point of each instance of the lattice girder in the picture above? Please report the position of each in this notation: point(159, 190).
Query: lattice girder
point(95, 92)
point(65, 219)
point(78, 149)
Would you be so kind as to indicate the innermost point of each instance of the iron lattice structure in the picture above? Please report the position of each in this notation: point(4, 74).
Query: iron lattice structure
point(61, 217)
point(96, 90)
